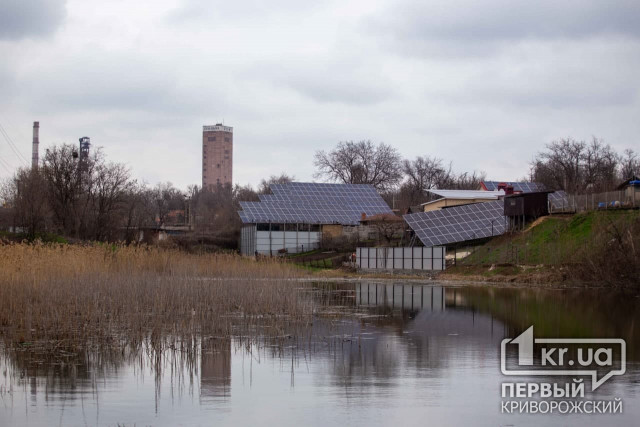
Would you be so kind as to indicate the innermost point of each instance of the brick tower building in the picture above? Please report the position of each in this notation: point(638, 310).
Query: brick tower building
point(217, 155)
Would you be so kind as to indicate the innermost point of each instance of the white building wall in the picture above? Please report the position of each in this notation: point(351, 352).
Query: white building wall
point(414, 258)
point(271, 242)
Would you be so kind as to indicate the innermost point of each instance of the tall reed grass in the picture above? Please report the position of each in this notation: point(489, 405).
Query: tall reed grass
point(54, 296)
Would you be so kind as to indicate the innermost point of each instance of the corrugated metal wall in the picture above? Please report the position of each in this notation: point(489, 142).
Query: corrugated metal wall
point(415, 258)
point(271, 242)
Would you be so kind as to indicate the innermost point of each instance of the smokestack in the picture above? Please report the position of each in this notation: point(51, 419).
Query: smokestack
point(36, 144)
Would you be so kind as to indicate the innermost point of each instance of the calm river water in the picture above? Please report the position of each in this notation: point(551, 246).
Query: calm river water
point(381, 354)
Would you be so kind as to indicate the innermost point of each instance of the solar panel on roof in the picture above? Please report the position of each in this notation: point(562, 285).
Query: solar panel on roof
point(525, 187)
point(458, 224)
point(315, 204)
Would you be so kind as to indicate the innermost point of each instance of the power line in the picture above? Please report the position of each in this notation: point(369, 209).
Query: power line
point(5, 165)
point(15, 149)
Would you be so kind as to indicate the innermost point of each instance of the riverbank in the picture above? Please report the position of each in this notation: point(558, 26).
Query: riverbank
point(507, 275)
point(594, 249)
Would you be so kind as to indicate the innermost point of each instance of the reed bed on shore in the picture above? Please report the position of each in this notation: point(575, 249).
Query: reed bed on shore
point(67, 296)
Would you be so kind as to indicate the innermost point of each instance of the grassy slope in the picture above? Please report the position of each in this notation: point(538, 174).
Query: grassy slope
point(594, 247)
point(555, 240)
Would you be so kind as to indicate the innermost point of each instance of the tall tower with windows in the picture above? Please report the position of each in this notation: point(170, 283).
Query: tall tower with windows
point(217, 156)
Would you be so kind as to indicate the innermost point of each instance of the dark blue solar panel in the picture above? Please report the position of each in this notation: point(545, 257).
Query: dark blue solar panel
point(460, 223)
point(315, 204)
point(525, 187)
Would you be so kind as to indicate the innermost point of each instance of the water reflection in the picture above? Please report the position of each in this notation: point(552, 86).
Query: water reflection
point(215, 369)
point(376, 352)
point(401, 296)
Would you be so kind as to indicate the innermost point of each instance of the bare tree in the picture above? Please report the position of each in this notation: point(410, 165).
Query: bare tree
point(422, 174)
point(577, 167)
point(87, 197)
point(360, 163)
point(387, 227)
point(600, 166)
point(629, 165)
point(425, 173)
point(166, 198)
point(245, 194)
point(26, 194)
point(469, 181)
point(69, 187)
point(111, 185)
point(265, 184)
point(138, 211)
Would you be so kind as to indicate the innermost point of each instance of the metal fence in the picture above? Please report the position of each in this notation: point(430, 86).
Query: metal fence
point(411, 258)
point(629, 198)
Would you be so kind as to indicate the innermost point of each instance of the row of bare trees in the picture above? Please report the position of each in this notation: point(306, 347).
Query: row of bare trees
point(567, 164)
point(580, 167)
point(402, 181)
point(95, 199)
point(84, 198)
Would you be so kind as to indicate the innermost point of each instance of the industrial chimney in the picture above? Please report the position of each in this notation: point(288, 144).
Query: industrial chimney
point(36, 143)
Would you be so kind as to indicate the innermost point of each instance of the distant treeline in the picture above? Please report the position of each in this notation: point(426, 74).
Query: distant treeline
point(94, 199)
point(577, 167)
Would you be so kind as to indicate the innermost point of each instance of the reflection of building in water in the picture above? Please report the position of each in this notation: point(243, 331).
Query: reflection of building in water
point(215, 369)
point(428, 328)
point(406, 297)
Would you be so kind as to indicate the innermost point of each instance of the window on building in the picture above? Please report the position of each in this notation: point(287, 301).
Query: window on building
point(211, 138)
point(218, 165)
point(227, 140)
point(290, 227)
point(262, 227)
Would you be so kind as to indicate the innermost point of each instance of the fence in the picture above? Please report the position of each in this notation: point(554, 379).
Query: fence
point(629, 198)
point(414, 258)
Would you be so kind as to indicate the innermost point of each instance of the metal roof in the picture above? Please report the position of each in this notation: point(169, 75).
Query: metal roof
point(466, 194)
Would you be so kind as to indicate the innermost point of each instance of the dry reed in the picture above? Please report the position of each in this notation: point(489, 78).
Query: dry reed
point(65, 296)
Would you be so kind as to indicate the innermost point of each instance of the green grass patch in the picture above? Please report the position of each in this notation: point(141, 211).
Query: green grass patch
point(307, 253)
point(556, 240)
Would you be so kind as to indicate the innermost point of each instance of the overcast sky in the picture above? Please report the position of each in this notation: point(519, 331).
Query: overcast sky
point(485, 84)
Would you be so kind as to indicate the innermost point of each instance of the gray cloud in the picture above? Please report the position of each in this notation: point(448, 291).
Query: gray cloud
point(30, 18)
point(475, 28)
point(98, 80)
point(330, 89)
point(485, 85)
point(552, 76)
point(331, 81)
point(214, 13)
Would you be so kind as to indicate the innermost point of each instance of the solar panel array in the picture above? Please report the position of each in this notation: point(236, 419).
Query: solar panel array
point(459, 223)
point(525, 187)
point(314, 203)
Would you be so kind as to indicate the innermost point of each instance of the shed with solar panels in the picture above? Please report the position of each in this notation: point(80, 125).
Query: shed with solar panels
point(296, 216)
point(557, 201)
